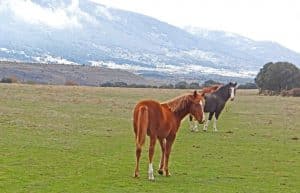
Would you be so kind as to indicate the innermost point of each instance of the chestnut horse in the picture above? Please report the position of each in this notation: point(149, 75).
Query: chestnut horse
point(161, 121)
point(206, 90)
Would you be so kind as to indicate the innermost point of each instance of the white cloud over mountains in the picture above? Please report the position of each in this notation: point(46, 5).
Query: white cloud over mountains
point(58, 17)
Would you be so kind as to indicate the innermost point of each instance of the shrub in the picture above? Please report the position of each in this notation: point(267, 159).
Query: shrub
point(71, 83)
point(11, 79)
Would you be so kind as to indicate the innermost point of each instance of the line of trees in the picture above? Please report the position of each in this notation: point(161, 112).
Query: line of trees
point(178, 85)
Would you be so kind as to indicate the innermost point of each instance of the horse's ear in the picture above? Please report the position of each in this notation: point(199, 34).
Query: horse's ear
point(195, 93)
point(235, 84)
point(203, 94)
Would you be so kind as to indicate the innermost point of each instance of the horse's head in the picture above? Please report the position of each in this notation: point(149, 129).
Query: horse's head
point(232, 90)
point(197, 106)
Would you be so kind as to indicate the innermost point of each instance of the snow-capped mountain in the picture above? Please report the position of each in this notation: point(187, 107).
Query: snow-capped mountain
point(83, 32)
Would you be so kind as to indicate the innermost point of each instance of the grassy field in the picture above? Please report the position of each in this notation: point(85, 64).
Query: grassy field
point(80, 139)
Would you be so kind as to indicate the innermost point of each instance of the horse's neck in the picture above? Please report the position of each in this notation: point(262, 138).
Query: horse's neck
point(181, 114)
point(222, 92)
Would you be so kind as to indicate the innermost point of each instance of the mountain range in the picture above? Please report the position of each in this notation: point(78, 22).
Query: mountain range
point(83, 32)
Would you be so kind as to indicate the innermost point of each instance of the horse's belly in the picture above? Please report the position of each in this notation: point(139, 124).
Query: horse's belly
point(164, 130)
point(163, 135)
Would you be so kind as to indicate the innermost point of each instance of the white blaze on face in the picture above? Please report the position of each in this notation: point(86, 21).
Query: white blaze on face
point(232, 92)
point(202, 107)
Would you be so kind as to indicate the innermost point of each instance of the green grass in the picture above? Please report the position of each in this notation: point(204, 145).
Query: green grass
point(80, 139)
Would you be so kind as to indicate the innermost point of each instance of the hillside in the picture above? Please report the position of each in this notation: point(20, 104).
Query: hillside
point(83, 32)
point(60, 73)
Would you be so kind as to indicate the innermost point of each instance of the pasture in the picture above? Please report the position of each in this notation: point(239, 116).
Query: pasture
point(80, 139)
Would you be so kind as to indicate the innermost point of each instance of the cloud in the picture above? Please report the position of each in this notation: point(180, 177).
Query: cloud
point(103, 11)
point(58, 17)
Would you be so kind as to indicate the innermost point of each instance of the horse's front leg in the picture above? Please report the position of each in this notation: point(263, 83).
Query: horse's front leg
point(162, 160)
point(169, 142)
point(193, 124)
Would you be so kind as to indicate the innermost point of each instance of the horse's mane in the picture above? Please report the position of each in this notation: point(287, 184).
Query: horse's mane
point(223, 87)
point(179, 103)
point(212, 88)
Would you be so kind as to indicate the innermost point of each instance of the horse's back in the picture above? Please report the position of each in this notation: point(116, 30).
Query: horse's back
point(152, 106)
point(160, 118)
point(154, 112)
point(213, 103)
point(210, 103)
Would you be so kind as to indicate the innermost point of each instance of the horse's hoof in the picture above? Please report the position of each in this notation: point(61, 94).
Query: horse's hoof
point(168, 174)
point(136, 175)
point(161, 172)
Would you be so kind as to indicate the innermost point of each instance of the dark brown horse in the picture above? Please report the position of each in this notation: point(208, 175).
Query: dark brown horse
point(206, 90)
point(161, 121)
point(215, 102)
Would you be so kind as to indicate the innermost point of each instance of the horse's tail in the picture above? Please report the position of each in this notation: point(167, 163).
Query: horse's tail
point(142, 125)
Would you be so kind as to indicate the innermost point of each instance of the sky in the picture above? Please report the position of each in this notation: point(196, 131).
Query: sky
point(272, 20)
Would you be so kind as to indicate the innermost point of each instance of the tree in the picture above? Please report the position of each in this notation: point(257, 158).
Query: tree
point(181, 85)
point(210, 83)
point(120, 84)
point(166, 86)
point(107, 84)
point(278, 76)
point(194, 85)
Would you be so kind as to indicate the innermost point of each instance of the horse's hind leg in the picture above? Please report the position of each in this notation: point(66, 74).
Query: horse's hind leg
point(162, 160)
point(217, 114)
point(207, 122)
point(138, 152)
point(215, 123)
point(151, 153)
